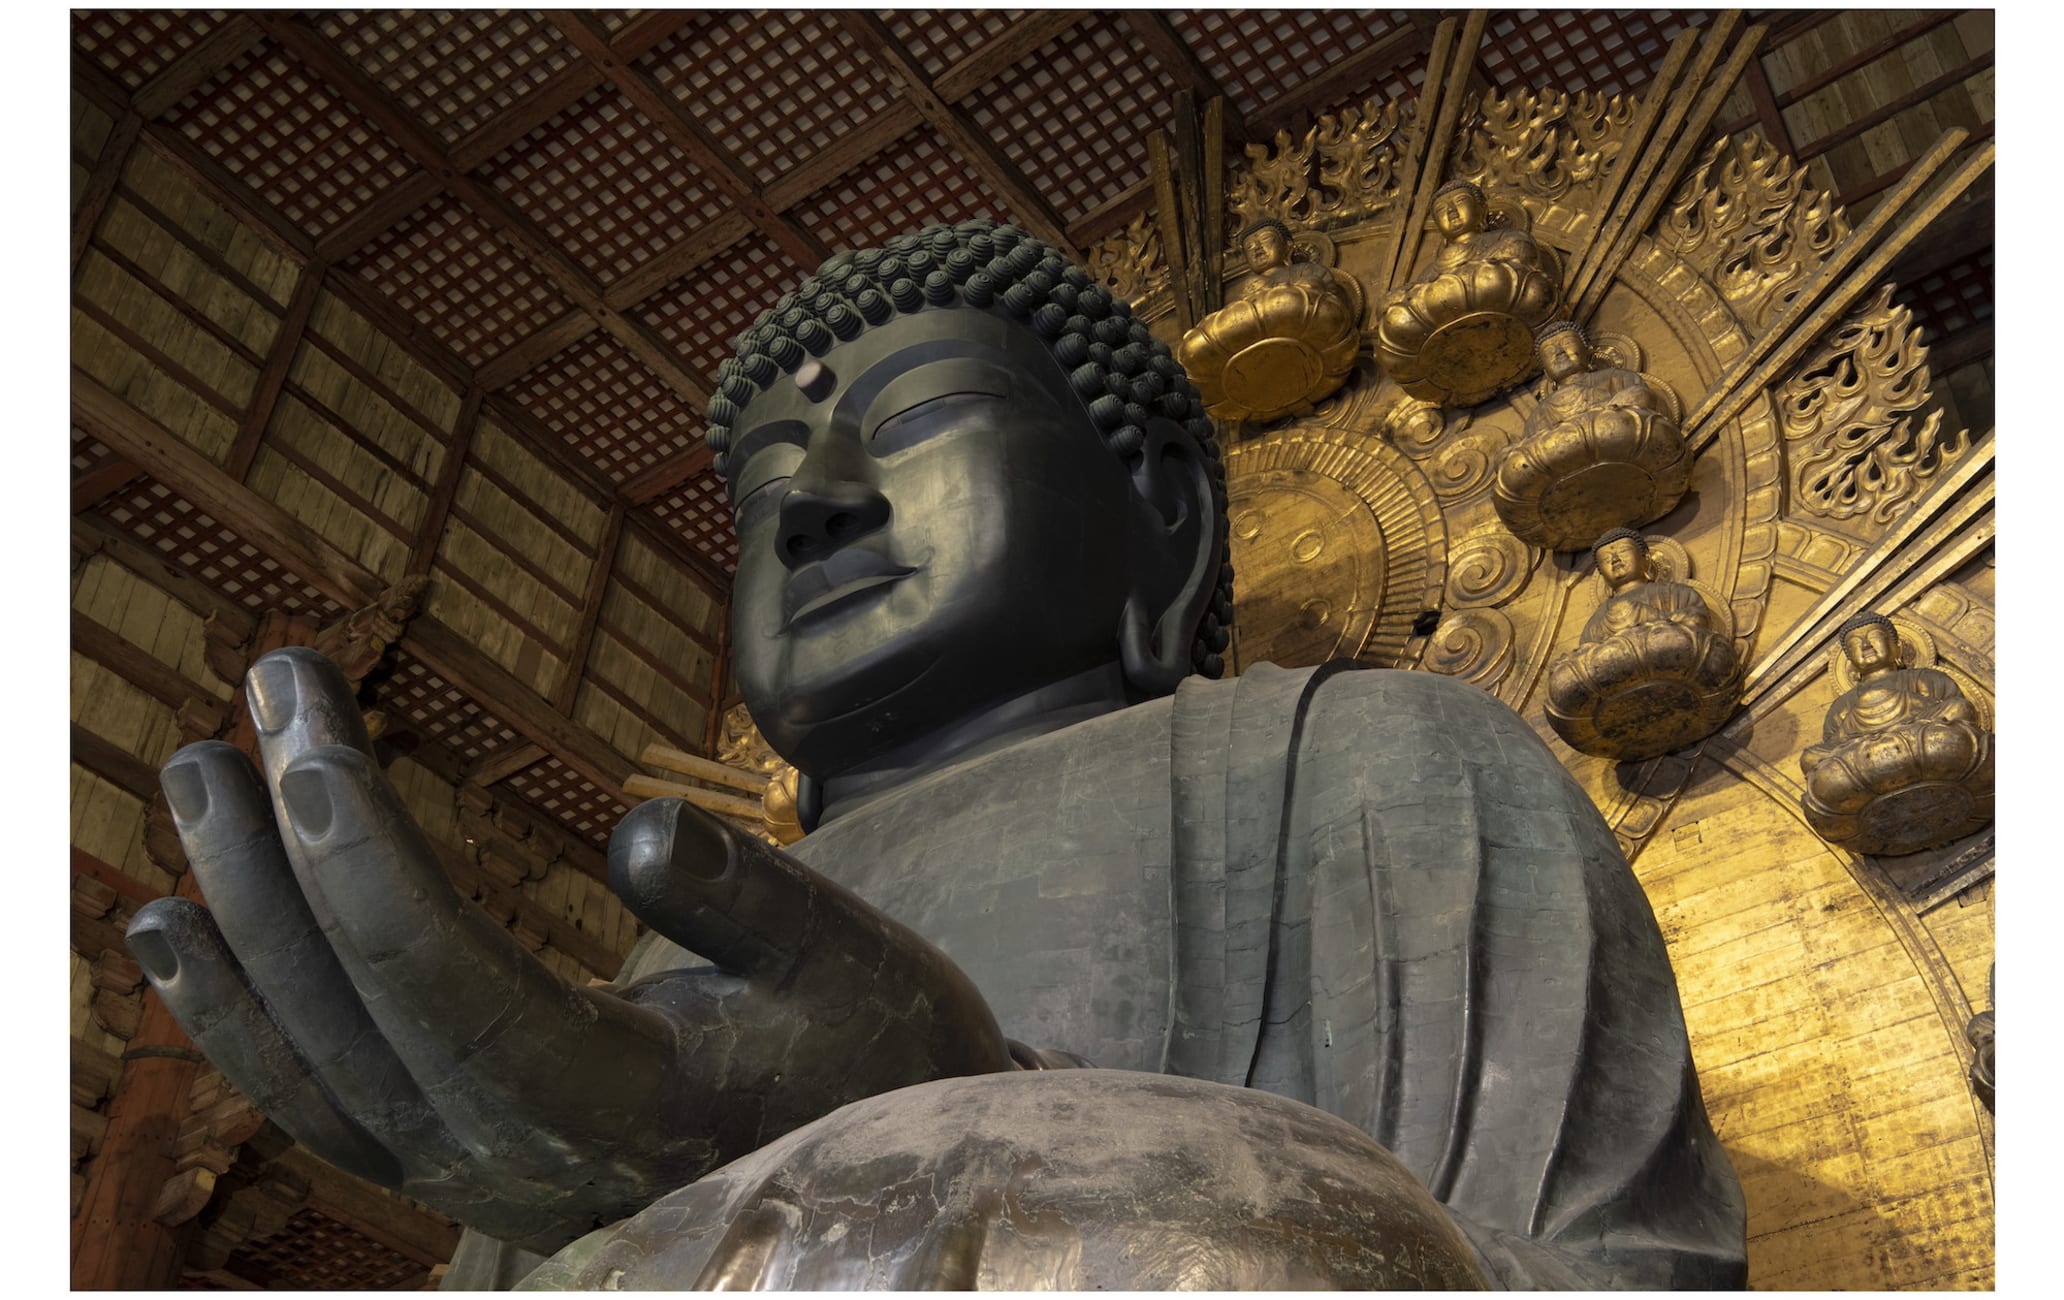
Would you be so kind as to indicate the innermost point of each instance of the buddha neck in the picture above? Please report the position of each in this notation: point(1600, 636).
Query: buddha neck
point(1016, 718)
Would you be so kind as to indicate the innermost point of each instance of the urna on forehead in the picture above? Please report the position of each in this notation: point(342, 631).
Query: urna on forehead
point(1123, 374)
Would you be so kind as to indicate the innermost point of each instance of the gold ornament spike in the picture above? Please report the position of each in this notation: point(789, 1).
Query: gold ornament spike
point(1945, 511)
point(703, 769)
point(1657, 192)
point(1173, 250)
point(1661, 90)
point(1440, 139)
point(1807, 328)
point(1639, 175)
point(1414, 175)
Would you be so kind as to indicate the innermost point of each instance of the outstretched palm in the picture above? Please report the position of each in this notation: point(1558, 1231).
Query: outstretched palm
point(397, 1031)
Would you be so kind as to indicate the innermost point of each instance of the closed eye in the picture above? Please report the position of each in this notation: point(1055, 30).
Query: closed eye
point(914, 424)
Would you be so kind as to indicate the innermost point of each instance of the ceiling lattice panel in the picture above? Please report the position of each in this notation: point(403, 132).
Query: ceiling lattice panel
point(138, 44)
point(193, 541)
point(316, 1253)
point(437, 710)
point(88, 453)
point(1260, 55)
point(605, 184)
point(703, 313)
point(772, 87)
point(443, 268)
point(1075, 116)
point(1953, 299)
point(609, 407)
point(700, 513)
point(454, 69)
point(281, 129)
point(940, 38)
point(1611, 51)
point(577, 803)
point(914, 182)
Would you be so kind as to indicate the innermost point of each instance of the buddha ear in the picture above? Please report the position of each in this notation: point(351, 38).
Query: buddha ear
point(1185, 545)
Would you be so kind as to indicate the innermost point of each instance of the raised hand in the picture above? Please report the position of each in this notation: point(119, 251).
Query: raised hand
point(400, 1033)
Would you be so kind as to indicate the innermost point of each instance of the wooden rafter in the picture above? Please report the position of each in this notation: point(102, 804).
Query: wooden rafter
point(997, 170)
point(1024, 37)
point(687, 135)
point(590, 612)
point(279, 359)
point(93, 535)
point(501, 218)
point(431, 528)
point(315, 560)
point(100, 183)
point(1181, 63)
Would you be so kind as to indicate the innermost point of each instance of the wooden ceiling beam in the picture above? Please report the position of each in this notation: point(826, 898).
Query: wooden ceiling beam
point(700, 245)
point(501, 217)
point(115, 152)
point(315, 560)
point(998, 171)
point(590, 611)
point(1182, 64)
point(1023, 38)
point(1399, 48)
point(94, 535)
point(688, 135)
point(187, 73)
point(272, 380)
point(401, 201)
point(527, 354)
point(669, 474)
point(834, 160)
point(453, 468)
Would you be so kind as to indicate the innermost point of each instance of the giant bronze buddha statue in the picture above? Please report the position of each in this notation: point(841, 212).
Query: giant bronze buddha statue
point(1376, 999)
point(1904, 762)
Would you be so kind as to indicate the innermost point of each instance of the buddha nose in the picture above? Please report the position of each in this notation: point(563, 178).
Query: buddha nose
point(822, 512)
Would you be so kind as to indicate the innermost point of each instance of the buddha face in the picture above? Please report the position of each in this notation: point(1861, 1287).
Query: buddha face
point(928, 522)
point(1459, 212)
point(1266, 249)
point(1623, 561)
point(1872, 647)
point(1564, 355)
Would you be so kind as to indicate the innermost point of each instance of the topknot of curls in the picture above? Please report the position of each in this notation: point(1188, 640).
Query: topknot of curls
point(1124, 375)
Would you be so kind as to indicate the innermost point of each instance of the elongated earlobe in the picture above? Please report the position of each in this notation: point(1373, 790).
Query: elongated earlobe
point(1186, 541)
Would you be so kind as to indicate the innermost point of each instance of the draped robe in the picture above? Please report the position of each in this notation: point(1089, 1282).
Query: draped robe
point(1374, 892)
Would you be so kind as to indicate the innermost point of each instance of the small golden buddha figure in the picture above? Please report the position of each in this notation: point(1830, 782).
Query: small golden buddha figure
point(1464, 330)
point(1655, 668)
point(1602, 450)
point(741, 746)
point(1287, 339)
point(1905, 761)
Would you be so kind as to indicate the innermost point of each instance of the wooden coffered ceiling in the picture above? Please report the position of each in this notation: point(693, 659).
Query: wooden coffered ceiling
point(567, 216)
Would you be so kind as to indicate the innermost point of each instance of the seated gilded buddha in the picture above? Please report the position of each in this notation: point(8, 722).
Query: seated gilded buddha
point(1287, 339)
point(1463, 331)
point(1602, 450)
point(1905, 762)
point(1655, 668)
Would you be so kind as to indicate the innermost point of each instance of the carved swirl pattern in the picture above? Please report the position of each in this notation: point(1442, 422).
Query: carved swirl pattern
point(1472, 644)
point(1467, 466)
point(1488, 569)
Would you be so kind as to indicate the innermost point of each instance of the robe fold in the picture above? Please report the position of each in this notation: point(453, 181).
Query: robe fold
point(1377, 893)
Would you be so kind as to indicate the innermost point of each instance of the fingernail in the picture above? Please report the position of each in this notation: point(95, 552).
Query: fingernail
point(270, 686)
point(700, 846)
point(153, 952)
point(307, 795)
point(186, 792)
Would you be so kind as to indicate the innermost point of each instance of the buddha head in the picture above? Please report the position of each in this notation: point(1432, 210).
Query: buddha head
point(1871, 643)
point(1565, 353)
point(1459, 208)
point(961, 472)
point(1622, 558)
point(1267, 245)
